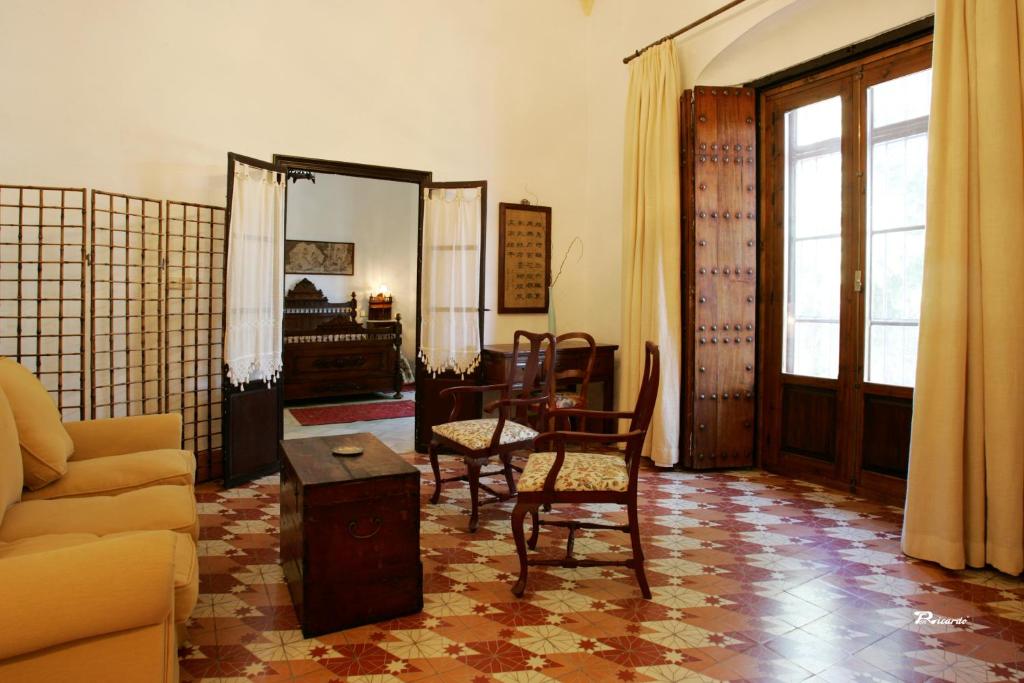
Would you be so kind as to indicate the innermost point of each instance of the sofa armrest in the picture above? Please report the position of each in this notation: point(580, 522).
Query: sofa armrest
point(110, 585)
point(121, 435)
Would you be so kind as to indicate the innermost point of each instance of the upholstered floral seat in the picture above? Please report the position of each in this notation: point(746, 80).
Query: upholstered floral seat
point(567, 400)
point(476, 434)
point(580, 472)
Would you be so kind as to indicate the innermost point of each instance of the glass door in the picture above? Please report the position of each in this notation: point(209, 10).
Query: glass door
point(844, 174)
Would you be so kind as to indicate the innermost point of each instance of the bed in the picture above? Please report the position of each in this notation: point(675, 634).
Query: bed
point(328, 354)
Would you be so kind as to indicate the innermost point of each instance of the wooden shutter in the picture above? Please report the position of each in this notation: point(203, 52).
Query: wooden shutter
point(719, 275)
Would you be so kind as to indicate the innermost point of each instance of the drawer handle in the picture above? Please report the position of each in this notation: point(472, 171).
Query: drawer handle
point(352, 529)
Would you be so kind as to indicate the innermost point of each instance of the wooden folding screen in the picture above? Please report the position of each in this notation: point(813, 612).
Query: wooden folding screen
point(720, 276)
point(127, 292)
point(42, 288)
point(194, 308)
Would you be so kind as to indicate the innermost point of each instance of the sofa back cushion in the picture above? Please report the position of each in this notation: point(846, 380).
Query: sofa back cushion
point(11, 474)
point(45, 445)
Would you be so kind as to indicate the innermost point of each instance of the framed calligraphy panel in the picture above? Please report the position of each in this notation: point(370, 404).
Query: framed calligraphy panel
point(524, 258)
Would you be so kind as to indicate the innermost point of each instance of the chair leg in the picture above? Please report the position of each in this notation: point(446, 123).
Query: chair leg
point(638, 551)
point(532, 543)
point(518, 515)
point(506, 461)
point(434, 465)
point(473, 471)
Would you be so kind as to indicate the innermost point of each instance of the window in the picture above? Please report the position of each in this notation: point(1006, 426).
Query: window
point(843, 177)
point(813, 228)
point(897, 148)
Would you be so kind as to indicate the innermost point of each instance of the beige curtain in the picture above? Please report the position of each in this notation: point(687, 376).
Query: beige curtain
point(965, 494)
point(651, 242)
point(450, 332)
point(254, 289)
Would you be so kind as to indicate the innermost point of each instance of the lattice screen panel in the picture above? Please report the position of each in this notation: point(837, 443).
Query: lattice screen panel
point(127, 305)
point(194, 307)
point(42, 288)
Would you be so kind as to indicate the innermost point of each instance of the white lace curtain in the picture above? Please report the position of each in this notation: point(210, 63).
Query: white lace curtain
point(450, 335)
point(255, 276)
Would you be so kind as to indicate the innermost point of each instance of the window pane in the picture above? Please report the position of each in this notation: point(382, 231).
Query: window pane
point(894, 356)
point(817, 207)
point(897, 265)
point(813, 215)
point(897, 173)
point(901, 99)
point(816, 279)
point(817, 122)
point(815, 349)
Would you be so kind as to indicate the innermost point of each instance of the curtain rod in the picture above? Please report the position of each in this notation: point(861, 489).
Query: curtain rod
point(707, 17)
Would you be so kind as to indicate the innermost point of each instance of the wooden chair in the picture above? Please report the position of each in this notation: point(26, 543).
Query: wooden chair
point(522, 412)
point(579, 380)
point(591, 476)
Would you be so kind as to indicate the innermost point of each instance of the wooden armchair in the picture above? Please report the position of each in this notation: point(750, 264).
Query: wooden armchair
point(522, 412)
point(571, 385)
point(594, 475)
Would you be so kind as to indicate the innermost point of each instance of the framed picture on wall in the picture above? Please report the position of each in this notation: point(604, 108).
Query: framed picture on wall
point(524, 258)
point(319, 258)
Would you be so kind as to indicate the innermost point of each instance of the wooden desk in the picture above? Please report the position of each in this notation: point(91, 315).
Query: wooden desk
point(350, 533)
point(497, 358)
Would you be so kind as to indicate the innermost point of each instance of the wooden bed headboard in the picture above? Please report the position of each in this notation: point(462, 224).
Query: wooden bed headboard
point(307, 311)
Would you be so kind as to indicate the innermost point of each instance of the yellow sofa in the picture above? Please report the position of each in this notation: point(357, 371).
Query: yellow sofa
point(98, 569)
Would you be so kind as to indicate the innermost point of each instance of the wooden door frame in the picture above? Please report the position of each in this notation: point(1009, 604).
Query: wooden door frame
point(402, 175)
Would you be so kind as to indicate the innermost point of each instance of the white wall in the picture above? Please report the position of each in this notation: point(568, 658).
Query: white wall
point(146, 97)
point(380, 218)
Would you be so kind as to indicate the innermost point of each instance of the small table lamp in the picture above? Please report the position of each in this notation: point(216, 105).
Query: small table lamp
point(380, 304)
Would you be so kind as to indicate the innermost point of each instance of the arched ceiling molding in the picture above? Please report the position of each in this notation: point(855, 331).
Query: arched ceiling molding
point(698, 47)
point(795, 32)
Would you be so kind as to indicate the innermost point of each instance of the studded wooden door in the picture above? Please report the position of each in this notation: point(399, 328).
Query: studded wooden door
point(719, 275)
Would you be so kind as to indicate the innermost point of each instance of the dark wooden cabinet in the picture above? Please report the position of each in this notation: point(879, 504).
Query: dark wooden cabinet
point(719, 177)
point(349, 533)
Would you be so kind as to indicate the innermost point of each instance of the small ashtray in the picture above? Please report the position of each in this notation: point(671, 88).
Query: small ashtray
point(347, 451)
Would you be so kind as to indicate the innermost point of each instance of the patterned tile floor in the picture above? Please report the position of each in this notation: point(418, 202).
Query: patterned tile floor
point(755, 578)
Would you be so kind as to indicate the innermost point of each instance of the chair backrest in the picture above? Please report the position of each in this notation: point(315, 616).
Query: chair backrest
point(645, 400)
point(575, 375)
point(534, 376)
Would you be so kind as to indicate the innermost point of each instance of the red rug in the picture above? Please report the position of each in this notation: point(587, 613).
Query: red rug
point(358, 412)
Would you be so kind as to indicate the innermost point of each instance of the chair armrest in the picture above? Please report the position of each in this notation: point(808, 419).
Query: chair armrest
point(506, 402)
point(64, 595)
point(560, 416)
point(583, 412)
point(471, 389)
point(562, 437)
point(120, 435)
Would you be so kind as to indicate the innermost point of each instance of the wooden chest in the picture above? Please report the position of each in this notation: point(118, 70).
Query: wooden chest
point(350, 532)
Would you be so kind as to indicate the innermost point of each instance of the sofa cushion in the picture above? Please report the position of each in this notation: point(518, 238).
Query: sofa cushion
point(45, 446)
point(116, 474)
point(186, 567)
point(11, 472)
point(155, 508)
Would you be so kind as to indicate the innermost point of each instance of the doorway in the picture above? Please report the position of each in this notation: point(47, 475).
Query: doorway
point(843, 163)
point(351, 299)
